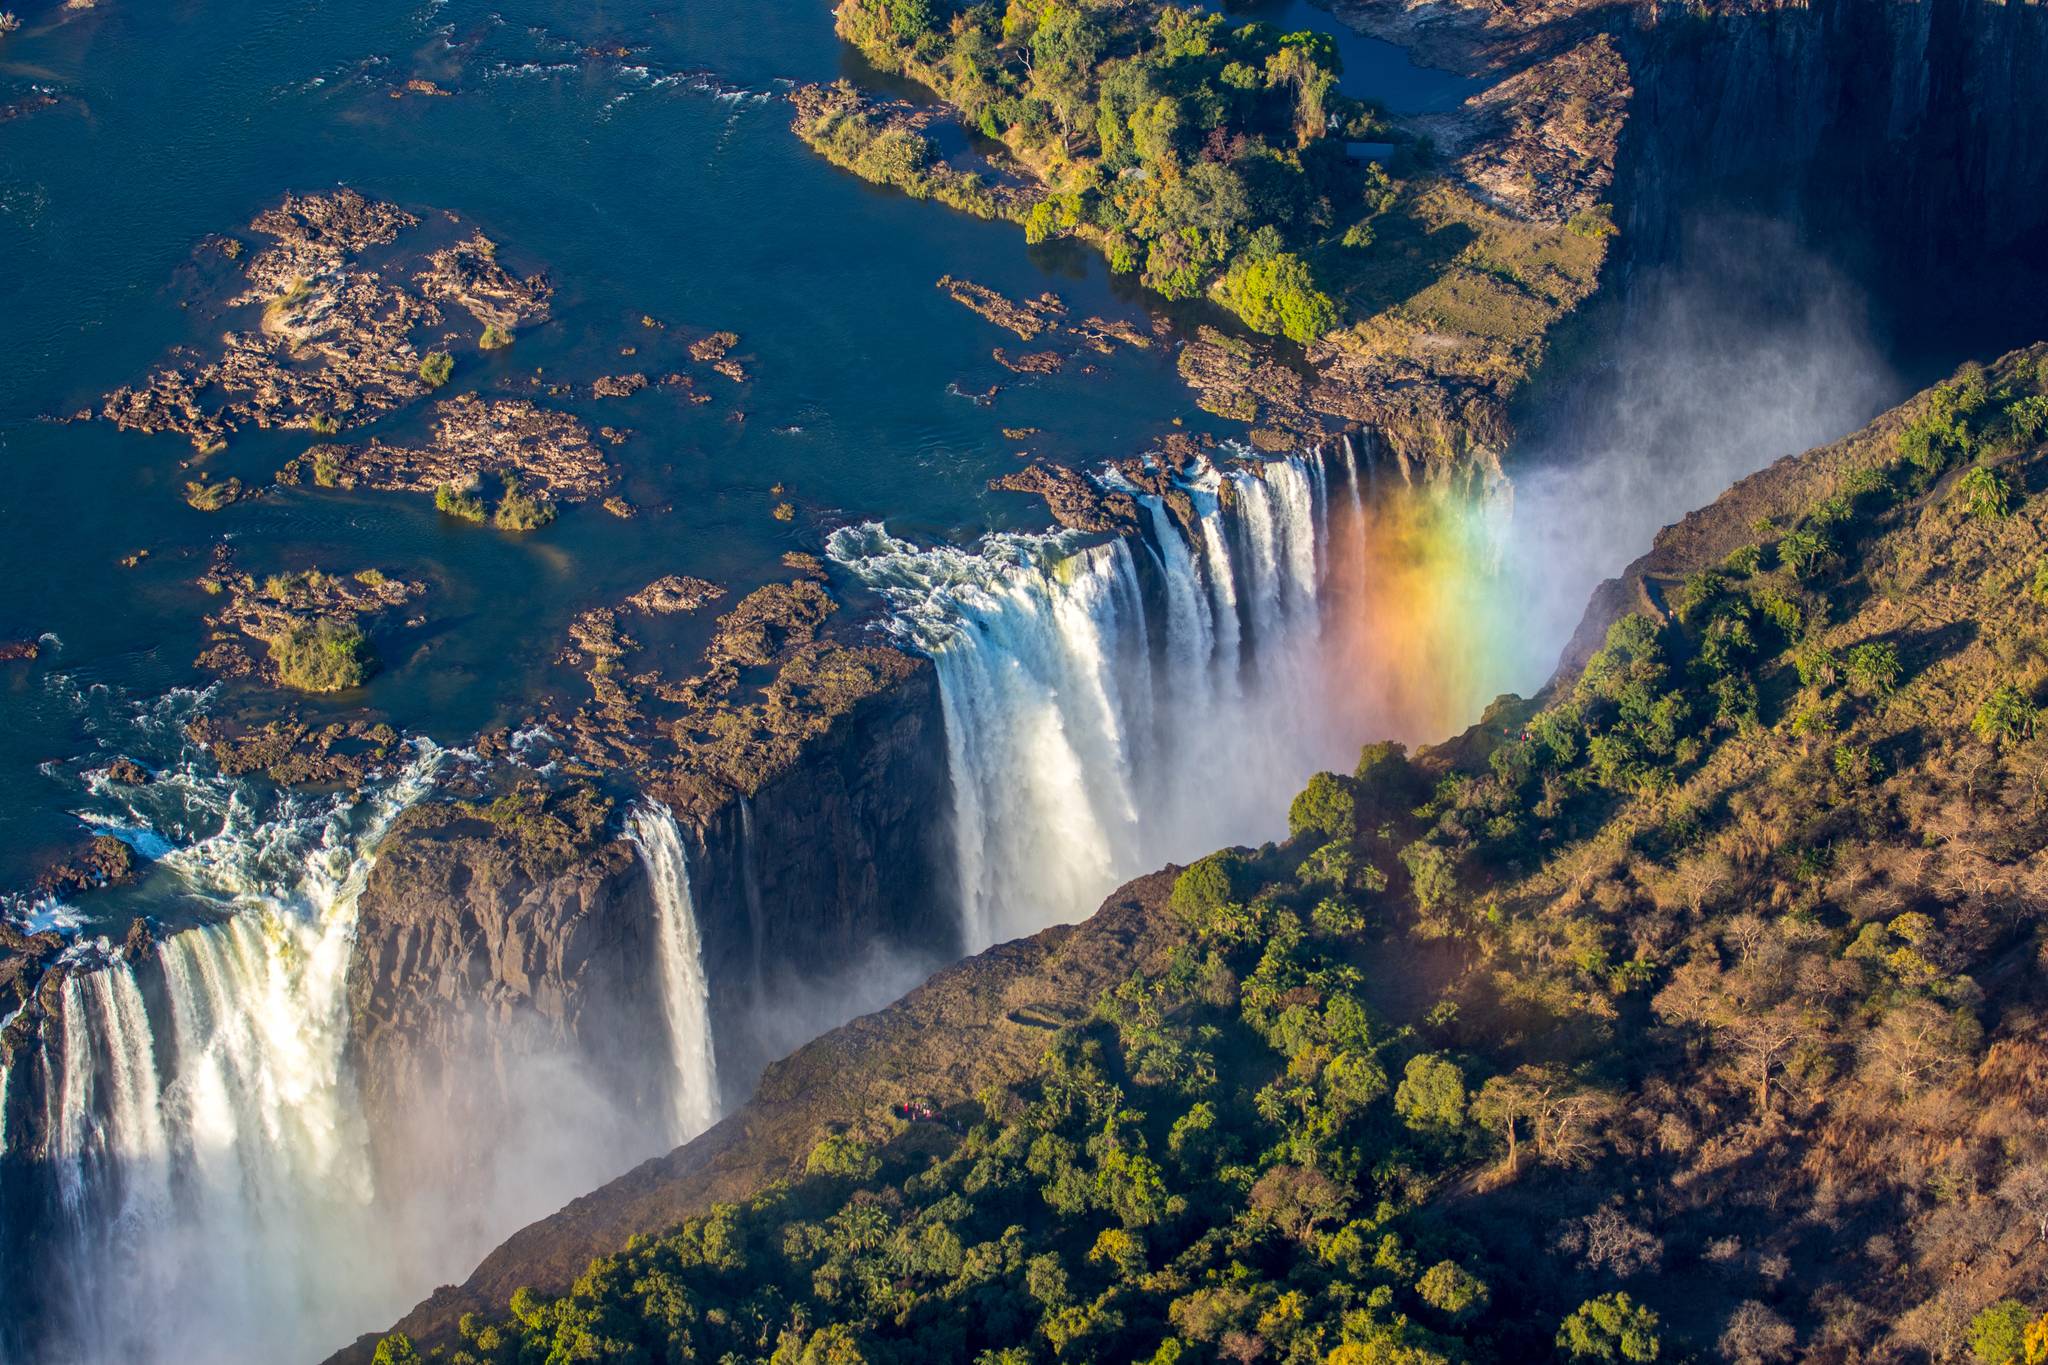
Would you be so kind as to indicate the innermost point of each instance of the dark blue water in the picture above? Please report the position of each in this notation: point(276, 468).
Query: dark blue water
point(655, 175)
point(1378, 71)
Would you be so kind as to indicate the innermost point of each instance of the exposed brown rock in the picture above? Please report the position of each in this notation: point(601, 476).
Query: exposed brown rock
point(1031, 362)
point(105, 861)
point(674, 593)
point(127, 771)
point(468, 274)
point(618, 386)
point(340, 334)
point(291, 752)
point(549, 452)
point(267, 610)
point(1076, 500)
point(1026, 319)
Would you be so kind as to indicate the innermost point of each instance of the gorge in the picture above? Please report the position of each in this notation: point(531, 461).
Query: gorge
point(377, 1033)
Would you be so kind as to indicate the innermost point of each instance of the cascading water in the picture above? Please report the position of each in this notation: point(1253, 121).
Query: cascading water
point(210, 1165)
point(686, 994)
point(1097, 728)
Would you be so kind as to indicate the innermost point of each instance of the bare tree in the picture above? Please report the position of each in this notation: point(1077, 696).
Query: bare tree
point(1757, 1336)
point(2025, 1190)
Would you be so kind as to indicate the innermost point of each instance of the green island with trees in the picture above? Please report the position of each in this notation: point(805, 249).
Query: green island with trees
point(1553, 1041)
point(1205, 156)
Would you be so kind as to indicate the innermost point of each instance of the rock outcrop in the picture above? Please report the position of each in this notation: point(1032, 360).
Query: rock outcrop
point(488, 937)
point(341, 334)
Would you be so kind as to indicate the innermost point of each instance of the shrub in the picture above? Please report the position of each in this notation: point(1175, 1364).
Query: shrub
point(1206, 886)
point(840, 1155)
point(1452, 1290)
point(2028, 419)
point(1856, 765)
point(1816, 664)
point(1805, 550)
point(436, 368)
point(2006, 714)
point(454, 503)
point(1998, 1335)
point(1744, 560)
point(1597, 221)
point(396, 1349)
point(1329, 865)
point(1431, 1096)
point(521, 511)
point(1278, 294)
point(326, 466)
point(2038, 588)
point(323, 655)
point(1874, 668)
point(1326, 807)
point(211, 497)
point(495, 338)
point(1610, 1327)
point(1984, 492)
point(1431, 872)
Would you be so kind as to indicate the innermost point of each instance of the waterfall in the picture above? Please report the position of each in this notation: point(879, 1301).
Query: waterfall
point(750, 879)
point(686, 994)
point(212, 1165)
point(1104, 716)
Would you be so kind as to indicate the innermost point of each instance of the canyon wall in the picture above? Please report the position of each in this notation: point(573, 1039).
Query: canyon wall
point(1904, 136)
point(478, 959)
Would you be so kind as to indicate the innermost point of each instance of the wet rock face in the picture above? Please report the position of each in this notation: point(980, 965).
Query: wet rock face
point(492, 936)
point(478, 952)
point(1910, 127)
point(842, 855)
point(1077, 501)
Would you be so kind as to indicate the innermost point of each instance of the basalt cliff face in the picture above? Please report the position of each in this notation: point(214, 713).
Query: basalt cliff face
point(480, 948)
point(842, 857)
point(472, 963)
point(1746, 990)
point(1903, 129)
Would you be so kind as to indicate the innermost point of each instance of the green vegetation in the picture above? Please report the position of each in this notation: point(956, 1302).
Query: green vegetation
point(2006, 715)
point(519, 510)
point(1206, 156)
point(211, 497)
point(1276, 293)
point(453, 502)
point(322, 655)
point(295, 294)
point(437, 367)
point(1985, 493)
point(326, 466)
point(495, 338)
point(835, 125)
point(1611, 1327)
point(1998, 1335)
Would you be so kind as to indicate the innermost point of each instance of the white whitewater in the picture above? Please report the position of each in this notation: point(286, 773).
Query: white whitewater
point(1089, 742)
point(686, 994)
point(215, 1166)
